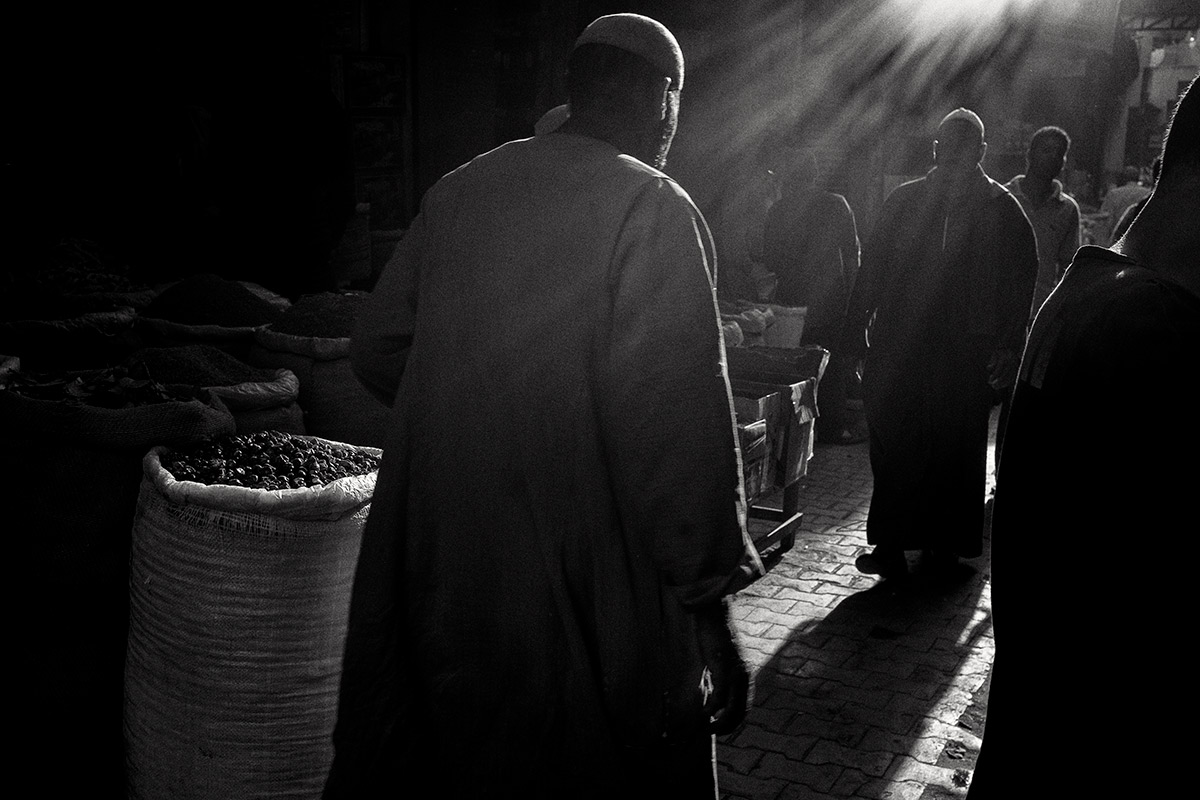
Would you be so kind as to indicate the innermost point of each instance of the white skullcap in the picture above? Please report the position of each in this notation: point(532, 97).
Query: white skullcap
point(641, 36)
point(965, 115)
point(552, 120)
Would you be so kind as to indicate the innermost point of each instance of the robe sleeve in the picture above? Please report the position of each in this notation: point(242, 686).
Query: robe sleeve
point(383, 332)
point(1019, 277)
point(864, 299)
point(664, 404)
point(848, 244)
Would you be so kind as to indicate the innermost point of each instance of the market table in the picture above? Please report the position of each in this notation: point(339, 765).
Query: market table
point(775, 392)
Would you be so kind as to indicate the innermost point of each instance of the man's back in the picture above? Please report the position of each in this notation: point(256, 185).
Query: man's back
point(565, 323)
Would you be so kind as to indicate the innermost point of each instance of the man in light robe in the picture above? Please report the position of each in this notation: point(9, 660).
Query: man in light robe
point(1053, 213)
point(540, 603)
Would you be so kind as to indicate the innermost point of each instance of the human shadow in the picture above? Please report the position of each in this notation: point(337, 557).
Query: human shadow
point(883, 687)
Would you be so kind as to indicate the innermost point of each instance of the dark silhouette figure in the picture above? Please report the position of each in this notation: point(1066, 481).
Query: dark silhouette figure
point(945, 288)
point(810, 243)
point(1084, 473)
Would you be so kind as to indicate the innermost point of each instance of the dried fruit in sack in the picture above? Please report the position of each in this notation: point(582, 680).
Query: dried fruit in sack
point(268, 460)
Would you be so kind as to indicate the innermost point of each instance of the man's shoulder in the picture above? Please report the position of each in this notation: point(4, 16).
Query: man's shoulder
point(996, 189)
point(1064, 198)
point(1008, 203)
point(562, 159)
point(907, 191)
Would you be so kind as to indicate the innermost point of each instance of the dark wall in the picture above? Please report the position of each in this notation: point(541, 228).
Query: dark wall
point(194, 136)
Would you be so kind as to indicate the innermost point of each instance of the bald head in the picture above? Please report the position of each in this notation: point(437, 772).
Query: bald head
point(960, 145)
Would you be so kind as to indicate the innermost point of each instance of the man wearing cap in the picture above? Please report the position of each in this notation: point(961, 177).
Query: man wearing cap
point(943, 297)
point(539, 608)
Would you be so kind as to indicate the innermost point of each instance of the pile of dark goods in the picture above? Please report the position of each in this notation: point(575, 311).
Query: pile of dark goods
point(208, 299)
point(114, 387)
point(268, 460)
point(327, 315)
point(198, 365)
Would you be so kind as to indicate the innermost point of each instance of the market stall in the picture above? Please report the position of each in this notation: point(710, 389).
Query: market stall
point(775, 393)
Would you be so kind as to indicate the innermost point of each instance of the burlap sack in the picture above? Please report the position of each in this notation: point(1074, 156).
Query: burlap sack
point(335, 404)
point(272, 405)
point(238, 608)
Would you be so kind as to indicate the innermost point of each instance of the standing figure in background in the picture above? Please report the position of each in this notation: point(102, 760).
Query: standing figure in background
point(1118, 199)
point(1087, 468)
point(1130, 214)
point(810, 243)
point(944, 294)
point(739, 217)
point(539, 608)
point(1053, 213)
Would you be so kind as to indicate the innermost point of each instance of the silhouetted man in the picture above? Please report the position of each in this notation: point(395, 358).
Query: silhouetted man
point(944, 292)
point(1099, 463)
point(810, 242)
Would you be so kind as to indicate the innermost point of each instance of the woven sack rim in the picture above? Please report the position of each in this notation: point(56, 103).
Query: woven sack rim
point(321, 348)
point(116, 318)
point(330, 501)
point(284, 388)
point(167, 327)
point(111, 427)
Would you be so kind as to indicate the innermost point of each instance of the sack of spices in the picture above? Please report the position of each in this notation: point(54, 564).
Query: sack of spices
point(73, 447)
point(260, 398)
point(206, 309)
point(242, 563)
point(312, 339)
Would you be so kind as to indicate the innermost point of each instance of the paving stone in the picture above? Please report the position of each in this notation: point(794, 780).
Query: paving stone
point(820, 777)
point(733, 786)
point(738, 759)
point(877, 789)
point(798, 791)
point(873, 763)
point(764, 740)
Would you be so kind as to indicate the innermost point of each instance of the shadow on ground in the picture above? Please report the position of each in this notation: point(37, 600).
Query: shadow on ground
point(873, 699)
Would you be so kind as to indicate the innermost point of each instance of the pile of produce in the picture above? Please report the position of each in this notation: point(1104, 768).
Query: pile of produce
point(326, 315)
point(268, 460)
point(114, 387)
point(198, 365)
point(208, 299)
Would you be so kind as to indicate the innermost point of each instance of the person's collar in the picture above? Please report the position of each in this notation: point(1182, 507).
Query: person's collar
point(974, 183)
point(1056, 187)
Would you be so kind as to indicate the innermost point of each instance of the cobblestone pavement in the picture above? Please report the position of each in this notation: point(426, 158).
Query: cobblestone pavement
point(863, 688)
